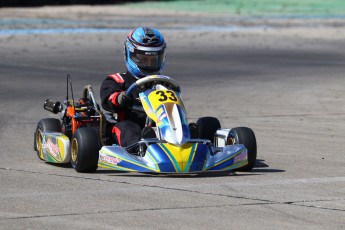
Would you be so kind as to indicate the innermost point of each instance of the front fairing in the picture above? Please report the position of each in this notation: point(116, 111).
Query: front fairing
point(166, 109)
point(162, 157)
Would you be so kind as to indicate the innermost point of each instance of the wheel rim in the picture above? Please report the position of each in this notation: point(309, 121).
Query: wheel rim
point(39, 144)
point(231, 139)
point(74, 150)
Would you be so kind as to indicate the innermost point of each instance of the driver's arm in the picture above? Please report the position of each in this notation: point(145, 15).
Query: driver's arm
point(110, 91)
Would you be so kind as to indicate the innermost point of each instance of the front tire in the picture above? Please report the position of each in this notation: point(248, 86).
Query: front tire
point(245, 136)
point(85, 148)
point(208, 126)
point(45, 125)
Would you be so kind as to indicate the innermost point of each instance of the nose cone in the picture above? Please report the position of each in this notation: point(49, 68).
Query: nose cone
point(172, 158)
point(177, 132)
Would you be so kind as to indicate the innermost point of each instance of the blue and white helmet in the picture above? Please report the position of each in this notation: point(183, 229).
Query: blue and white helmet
point(144, 52)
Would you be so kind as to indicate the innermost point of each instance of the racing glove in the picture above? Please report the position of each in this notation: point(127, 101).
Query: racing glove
point(123, 100)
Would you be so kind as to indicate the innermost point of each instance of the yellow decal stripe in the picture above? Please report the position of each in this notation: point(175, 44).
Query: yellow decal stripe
point(128, 160)
point(61, 146)
point(110, 166)
point(238, 165)
point(191, 157)
point(171, 158)
point(153, 160)
point(226, 159)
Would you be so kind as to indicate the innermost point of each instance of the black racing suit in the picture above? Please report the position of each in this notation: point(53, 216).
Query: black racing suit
point(128, 130)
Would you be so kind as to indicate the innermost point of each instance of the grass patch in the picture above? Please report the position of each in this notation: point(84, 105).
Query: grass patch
point(250, 7)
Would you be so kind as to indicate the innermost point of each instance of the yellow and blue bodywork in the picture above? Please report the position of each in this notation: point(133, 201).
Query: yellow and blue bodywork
point(169, 158)
point(54, 147)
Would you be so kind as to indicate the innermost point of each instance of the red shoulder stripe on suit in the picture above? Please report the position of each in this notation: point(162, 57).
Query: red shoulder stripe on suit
point(116, 77)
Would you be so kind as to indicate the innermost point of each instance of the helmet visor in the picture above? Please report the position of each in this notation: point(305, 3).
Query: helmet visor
point(151, 60)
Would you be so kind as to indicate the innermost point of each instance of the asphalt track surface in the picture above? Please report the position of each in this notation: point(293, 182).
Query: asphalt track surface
point(286, 84)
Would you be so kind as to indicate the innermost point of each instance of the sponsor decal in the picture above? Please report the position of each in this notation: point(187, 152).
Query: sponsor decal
point(161, 117)
point(151, 53)
point(159, 111)
point(109, 159)
point(51, 147)
point(149, 36)
point(160, 114)
point(240, 157)
point(148, 31)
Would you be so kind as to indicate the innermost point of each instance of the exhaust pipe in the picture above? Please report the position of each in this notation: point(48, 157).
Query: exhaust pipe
point(52, 106)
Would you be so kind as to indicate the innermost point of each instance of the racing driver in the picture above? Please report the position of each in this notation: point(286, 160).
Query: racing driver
point(144, 54)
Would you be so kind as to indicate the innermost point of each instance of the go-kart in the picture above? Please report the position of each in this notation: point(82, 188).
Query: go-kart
point(173, 146)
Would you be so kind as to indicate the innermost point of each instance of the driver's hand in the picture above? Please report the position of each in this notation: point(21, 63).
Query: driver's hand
point(124, 101)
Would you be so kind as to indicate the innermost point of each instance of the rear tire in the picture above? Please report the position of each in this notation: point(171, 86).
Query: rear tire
point(208, 126)
point(85, 148)
point(245, 136)
point(45, 125)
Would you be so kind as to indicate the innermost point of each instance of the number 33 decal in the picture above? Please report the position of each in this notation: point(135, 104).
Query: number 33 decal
point(164, 97)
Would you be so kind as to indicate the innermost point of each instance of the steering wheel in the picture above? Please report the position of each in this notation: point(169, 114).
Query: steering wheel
point(144, 83)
